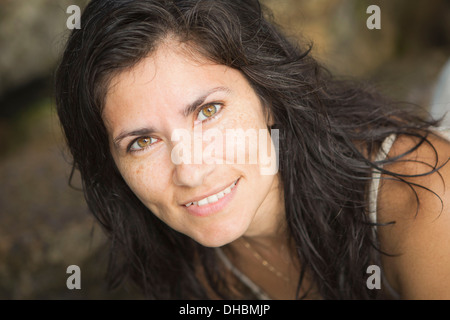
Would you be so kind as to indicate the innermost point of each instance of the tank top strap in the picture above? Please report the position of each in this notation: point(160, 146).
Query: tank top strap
point(257, 291)
point(376, 176)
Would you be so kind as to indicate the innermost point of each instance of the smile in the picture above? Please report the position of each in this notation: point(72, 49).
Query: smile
point(213, 198)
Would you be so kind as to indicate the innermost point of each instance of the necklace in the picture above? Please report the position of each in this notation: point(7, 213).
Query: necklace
point(264, 262)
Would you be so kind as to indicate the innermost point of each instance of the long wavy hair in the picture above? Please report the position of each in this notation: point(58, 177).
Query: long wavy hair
point(329, 130)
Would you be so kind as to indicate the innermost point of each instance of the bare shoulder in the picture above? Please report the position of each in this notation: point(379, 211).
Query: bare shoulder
point(420, 207)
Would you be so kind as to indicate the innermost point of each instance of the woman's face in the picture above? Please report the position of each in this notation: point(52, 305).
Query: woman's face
point(158, 115)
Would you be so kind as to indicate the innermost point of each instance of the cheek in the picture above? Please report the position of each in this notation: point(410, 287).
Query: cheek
point(246, 117)
point(241, 136)
point(147, 179)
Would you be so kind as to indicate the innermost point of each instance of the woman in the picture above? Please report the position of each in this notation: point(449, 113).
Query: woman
point(139, 75)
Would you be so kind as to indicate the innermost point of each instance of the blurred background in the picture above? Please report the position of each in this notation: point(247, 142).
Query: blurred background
point(45, 225)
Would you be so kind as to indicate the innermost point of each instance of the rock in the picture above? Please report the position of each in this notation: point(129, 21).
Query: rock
point(32, 35)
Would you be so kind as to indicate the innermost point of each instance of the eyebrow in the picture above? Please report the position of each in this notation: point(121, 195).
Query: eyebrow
point(189, 109)
point(134, 133)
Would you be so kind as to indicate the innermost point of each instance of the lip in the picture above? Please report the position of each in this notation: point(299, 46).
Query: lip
point(198, 198)
point(211, 208)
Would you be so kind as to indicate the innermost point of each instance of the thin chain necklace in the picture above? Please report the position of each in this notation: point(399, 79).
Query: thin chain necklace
point(264, 262)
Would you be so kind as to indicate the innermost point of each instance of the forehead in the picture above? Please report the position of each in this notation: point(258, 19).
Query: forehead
point(164, 82)
point(169, 67)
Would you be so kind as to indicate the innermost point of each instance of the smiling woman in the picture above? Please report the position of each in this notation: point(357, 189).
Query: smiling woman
point(140, 71)
point(157, 93)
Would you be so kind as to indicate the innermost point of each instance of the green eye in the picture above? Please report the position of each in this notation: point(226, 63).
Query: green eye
point(208, 111)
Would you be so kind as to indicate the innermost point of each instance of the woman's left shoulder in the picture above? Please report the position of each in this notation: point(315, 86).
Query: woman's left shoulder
point(419, 202)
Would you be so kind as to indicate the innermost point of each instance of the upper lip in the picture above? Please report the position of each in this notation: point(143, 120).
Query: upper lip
point(205, 195)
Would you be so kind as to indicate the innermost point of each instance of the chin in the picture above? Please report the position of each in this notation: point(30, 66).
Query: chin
point(220, 230)
point(214, 242)
point(217, 239)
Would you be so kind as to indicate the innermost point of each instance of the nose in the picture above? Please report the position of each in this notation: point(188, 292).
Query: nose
point(191, 175)
point(187, 155)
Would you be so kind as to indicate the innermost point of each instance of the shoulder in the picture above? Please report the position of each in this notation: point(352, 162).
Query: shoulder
point(419, 204)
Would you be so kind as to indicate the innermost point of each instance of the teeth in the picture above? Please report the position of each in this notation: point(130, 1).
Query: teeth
point(214, 197)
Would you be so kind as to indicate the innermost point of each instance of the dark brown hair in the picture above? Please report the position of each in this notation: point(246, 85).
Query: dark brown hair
point(322, 122)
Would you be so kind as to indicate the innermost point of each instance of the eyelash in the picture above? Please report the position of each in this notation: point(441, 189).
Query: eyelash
point(130, 150)
point(207, 105)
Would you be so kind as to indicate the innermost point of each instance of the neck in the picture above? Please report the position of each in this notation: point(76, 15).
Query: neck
point(269, 260)
point(268, 233)
point(269, 223)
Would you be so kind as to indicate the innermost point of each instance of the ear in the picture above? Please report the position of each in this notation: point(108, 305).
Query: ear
point(269, 117)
